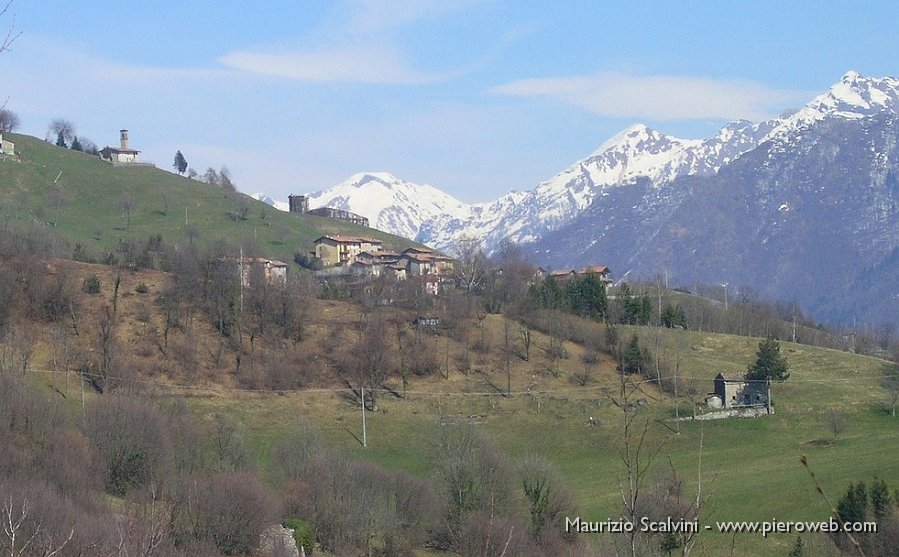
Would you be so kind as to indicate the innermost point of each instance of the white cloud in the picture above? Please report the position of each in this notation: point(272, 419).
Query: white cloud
point(661, 98)
point(363, 64)
point(359, 43)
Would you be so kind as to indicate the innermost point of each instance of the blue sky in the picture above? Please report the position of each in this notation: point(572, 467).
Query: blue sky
point(473, 97)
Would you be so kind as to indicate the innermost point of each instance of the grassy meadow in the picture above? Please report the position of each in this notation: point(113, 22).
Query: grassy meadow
point(750, 468)
point(73, 195)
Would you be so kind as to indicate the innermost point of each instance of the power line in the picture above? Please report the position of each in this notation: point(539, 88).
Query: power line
point(529, 392)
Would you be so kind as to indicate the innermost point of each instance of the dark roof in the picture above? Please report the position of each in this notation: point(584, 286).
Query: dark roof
point(598, 269)
point(108, 149)
point(348, 240)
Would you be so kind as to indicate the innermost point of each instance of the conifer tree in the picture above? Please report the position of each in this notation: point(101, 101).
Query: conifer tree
point(180, 163)
point(769, 363)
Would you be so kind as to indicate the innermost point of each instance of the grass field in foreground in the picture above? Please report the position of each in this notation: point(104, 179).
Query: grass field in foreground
point(750, 467)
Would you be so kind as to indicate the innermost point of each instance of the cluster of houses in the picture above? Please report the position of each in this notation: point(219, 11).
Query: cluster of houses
point(600, 271)
point(361, 256)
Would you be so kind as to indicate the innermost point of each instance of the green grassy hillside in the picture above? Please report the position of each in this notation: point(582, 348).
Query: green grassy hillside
point(750, 467)
point(82, 199)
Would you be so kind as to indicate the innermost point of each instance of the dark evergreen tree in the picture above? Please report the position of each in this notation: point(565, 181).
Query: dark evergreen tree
point(631, 361)
point(61, 139)
point(587, 296)
point(644, 315)
point(674, 316)
point(853, 507)
point(180, 163)
point(881, 499)
point(550, 295)
point(76, 144)
point(769, 363)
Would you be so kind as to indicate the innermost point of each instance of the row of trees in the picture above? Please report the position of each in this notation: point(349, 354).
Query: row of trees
point(66, 136)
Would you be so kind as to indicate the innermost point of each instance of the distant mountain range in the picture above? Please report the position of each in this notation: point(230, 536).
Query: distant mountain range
point(801, 207)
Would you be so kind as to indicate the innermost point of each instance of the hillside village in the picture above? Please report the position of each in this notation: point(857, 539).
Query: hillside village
point(391, 329)
point(401, 325)
point(186, 371)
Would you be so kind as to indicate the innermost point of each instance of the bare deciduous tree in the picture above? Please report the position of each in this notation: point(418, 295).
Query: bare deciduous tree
point(132, 440)
point(62, 128)
point(475, 480)
point(637, 457)
point(9, 120)
point(368, 362)
point(227, 444)
point(230, 510)
point(891, 385)
point(11, 34)
point(471, 270)
point(548, 498)
point(127, 205)
point(524, 334)
point(835, 421)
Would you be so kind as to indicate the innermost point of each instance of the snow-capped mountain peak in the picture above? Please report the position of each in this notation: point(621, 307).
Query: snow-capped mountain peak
point(636, 155)
point(280, 205)
point(391, 204)
point(639, 138)
point(853, 97)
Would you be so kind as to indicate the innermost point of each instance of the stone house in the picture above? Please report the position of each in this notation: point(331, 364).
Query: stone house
point(7, 147)
point(738, 393)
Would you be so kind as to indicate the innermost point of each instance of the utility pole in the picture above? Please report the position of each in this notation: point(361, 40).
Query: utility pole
point(364, 433)
point(794, 324)
point(659, 290)
point(676, 403)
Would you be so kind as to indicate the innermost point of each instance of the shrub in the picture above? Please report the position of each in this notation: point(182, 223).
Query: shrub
point(231, 511)
point(302, 533)
point(423, 363)
point(92, 284)
point(142, 288)
point(132, 441)
point(80, 253)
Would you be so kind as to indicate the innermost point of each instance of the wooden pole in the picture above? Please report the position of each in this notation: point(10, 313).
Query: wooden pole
point(364, 433)
point(676, 403)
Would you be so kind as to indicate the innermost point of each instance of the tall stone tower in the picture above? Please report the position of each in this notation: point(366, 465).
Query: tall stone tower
point(123, 134)
point(298, 203)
